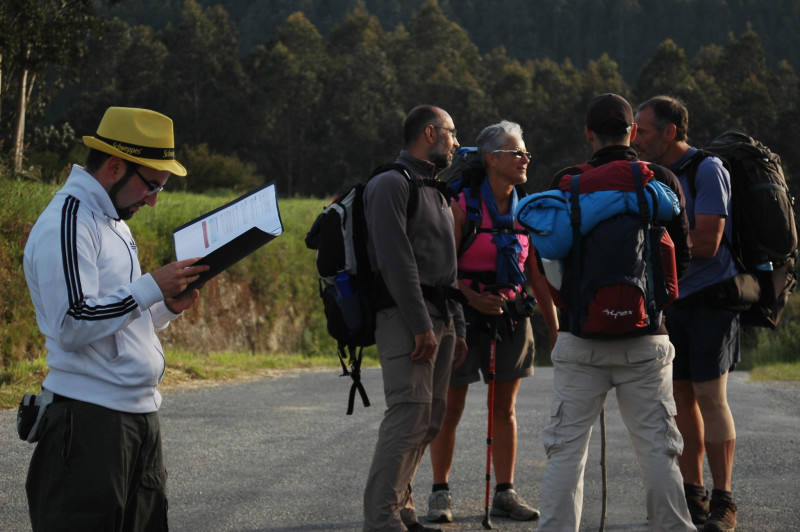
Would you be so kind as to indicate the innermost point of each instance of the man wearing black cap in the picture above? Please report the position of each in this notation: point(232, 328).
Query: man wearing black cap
point(640, 368)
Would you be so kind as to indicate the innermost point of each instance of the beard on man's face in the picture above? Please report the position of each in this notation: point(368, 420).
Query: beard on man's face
point(124, 213)
point(440, 160)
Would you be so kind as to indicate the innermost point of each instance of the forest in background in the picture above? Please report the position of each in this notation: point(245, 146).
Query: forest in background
point(312, 94)
point(580, 30)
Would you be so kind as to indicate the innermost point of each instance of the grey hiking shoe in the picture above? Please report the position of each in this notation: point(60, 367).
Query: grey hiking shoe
point(722, 517)
point(439, 507)
point(509, 504)
point(416, 527)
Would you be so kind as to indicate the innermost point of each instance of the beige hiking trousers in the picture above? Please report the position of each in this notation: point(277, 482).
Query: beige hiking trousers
point(640, 369)
point(416, 396)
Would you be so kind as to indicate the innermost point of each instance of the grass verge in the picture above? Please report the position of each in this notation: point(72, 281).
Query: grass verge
point(781, 371)
point(184, 369)
point(189, 369)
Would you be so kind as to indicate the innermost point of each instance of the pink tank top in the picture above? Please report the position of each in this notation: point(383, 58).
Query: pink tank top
point(481, 256)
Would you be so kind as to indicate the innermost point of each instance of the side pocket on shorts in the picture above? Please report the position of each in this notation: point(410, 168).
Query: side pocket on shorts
point(66, 444)
point(155, 480)
point(673, 441)
point(550, 434)
point(155, 484)
point(386, 338)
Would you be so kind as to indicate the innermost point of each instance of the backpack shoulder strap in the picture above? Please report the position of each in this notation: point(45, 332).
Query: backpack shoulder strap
point(644, 216)
point(385, 167)
point(575, 222)
point(416, 183)
point(690, 166)
point(472, 219)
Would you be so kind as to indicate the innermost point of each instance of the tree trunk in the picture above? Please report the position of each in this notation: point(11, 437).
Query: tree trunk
point(1, 83)
point(19, 131)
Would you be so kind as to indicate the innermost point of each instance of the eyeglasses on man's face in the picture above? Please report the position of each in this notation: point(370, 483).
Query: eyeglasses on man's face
point(452, 130)
point(519, 154)
point(152, 189)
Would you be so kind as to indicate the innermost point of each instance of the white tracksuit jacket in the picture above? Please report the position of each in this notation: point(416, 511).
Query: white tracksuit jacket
point(96, 310)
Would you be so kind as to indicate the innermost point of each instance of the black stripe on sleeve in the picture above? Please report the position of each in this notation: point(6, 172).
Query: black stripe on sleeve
point(78, 308)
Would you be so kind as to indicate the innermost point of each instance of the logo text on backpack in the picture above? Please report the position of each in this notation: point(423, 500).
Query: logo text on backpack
point(617, 313)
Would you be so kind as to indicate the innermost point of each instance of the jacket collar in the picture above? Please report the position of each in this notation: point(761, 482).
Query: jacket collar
point(613, 153)
point(424, 169)
point(82, 185)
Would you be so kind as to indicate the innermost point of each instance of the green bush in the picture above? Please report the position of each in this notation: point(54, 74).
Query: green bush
point(21, 205)
point(211, 171)
point(764, 347)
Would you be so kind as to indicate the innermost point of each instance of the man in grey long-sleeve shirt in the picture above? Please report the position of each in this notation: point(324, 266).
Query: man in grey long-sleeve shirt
point(417, 344)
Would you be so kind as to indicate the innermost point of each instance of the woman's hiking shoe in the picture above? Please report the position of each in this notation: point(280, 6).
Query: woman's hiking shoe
point(439, 507)
point(697, 501)
point(416, 527)
point(509, 504)
point(722, 517)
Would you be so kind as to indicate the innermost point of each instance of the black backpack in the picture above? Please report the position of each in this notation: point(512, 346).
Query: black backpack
point(351, 293)
point(764, 228)
point(621, 274)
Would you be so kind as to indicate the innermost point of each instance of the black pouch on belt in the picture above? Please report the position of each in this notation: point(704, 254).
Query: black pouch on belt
point(30, 413)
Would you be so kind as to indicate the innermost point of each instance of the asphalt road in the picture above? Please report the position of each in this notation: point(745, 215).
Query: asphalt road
point(279, 454)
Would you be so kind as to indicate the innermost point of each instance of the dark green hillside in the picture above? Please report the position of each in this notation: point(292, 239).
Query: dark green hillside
point(312, 94)
point(579, 30)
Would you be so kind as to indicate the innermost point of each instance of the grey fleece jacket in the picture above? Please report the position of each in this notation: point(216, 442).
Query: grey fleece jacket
point(410, 252)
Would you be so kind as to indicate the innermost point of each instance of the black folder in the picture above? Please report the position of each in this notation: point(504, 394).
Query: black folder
point(241, 236)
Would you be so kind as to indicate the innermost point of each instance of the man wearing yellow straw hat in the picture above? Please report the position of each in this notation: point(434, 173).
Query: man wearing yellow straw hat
point(98, 461)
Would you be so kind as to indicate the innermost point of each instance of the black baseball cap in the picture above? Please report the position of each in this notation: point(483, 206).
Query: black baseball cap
point(609, 114)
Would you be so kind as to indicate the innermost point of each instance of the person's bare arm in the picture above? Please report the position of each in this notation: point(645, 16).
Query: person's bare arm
point(707, 235)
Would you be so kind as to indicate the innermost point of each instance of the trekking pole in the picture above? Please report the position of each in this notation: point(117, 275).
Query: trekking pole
point(490, 430)
point(495, 289)
point(604, 469)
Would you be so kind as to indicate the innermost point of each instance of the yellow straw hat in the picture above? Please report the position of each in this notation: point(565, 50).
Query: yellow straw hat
point(137, 135)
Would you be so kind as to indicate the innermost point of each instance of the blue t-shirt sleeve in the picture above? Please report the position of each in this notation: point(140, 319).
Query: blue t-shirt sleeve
point(713, 186)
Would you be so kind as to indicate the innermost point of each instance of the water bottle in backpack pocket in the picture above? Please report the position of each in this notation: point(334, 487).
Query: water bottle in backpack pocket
point(347, 315)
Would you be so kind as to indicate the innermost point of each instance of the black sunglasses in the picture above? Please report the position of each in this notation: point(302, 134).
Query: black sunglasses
point(152, 189)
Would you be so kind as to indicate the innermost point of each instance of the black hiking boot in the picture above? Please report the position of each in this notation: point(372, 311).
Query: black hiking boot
point(697, 501)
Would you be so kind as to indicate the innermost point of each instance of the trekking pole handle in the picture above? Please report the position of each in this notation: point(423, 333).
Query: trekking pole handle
point(495, 288)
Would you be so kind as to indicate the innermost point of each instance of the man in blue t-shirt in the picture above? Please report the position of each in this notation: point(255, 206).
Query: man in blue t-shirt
point(706, 338)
